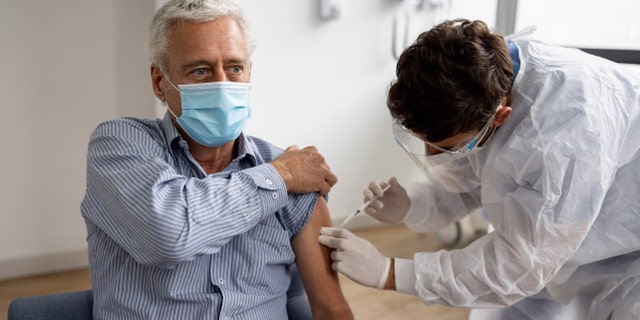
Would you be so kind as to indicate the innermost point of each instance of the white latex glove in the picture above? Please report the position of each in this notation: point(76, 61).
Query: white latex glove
point(355, 257)
point(391, 206)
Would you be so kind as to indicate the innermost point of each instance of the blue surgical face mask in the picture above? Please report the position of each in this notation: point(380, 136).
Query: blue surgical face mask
point(213, 113)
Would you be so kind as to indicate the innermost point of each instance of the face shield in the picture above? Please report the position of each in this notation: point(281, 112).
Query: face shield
point(449, 166)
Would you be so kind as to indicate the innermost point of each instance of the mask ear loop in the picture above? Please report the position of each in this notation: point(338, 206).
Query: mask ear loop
point(484, 140)
point(487, 134)
point(481, 138)
point(171, 84)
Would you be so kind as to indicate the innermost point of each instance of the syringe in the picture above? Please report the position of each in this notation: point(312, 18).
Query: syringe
point(366, 204)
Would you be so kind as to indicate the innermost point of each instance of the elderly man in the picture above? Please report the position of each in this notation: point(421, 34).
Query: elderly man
point(187, 217)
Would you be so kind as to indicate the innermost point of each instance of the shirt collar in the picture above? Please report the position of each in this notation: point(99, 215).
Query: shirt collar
point(246, 149)
point(171, 133)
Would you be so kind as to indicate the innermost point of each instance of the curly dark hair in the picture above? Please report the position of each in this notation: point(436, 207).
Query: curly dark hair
point(450, 80)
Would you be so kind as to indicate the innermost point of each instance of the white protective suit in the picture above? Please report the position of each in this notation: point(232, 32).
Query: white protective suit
point(560, 185)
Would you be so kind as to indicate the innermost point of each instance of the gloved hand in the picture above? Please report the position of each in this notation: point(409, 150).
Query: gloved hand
point(355, 257)
point(391, 206)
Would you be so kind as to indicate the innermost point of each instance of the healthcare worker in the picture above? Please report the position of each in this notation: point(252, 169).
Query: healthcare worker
point(546, 140)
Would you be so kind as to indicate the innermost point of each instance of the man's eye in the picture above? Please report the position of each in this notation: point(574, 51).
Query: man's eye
point(200, 71)
point(236, 69)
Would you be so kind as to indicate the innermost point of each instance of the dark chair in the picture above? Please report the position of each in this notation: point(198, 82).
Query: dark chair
point(78, 305)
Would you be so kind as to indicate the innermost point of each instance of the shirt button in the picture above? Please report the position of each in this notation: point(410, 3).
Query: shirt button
point(269, 182)
point(220, 281)
point(274, 195)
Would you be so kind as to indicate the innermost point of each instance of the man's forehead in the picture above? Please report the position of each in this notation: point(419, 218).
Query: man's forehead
point(203, 40)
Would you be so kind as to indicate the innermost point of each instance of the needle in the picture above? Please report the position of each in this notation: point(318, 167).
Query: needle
point(366, 204)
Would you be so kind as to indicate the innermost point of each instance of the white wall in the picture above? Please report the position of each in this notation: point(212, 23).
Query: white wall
point(67, 65)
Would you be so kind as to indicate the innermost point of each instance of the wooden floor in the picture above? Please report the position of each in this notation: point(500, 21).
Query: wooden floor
point(367, 303)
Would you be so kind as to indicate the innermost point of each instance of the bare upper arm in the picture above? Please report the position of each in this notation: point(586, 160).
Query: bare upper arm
point(314, 265)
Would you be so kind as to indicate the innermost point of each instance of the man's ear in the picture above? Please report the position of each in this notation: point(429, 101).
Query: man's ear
point(502, 114)
point(157, 78)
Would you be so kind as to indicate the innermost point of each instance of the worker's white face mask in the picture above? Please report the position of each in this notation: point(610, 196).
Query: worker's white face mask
point(450, 167)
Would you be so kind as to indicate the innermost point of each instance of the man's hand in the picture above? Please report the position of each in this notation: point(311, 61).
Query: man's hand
point(304, 171)
point(356, 258)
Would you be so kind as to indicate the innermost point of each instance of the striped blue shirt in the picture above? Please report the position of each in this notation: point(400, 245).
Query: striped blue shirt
point(168, 241)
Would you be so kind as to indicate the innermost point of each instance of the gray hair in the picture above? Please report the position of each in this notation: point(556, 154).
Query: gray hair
point(195, 11)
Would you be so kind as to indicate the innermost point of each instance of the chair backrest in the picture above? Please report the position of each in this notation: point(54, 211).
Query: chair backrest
point(78, 305)
point(75, 305)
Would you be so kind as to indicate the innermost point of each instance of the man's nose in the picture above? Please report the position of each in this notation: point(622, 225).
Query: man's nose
point(219, 75)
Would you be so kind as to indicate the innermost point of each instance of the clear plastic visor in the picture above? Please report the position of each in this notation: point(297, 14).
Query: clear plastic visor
point(415, 145)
